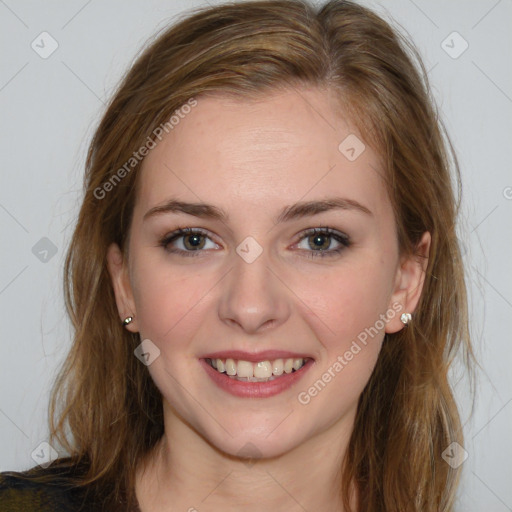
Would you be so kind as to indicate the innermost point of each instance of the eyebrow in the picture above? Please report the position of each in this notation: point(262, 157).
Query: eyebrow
point(288, 213)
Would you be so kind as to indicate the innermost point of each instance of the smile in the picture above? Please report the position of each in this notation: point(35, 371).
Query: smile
point(262, 379)
point(261, 371)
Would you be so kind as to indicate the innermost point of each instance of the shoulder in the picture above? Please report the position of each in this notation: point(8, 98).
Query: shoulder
point(41, 490)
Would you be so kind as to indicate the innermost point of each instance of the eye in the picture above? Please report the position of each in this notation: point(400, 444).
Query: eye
point(320, 241)
point(190, 241)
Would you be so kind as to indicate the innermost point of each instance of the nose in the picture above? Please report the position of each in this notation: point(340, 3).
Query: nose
point(253, 298)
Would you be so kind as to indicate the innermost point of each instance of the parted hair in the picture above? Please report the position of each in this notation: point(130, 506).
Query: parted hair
point(106, 412)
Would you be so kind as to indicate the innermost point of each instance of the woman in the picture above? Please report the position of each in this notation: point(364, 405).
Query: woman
point(264, 279)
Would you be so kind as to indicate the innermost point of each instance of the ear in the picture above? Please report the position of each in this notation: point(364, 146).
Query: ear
point(118, 270)
point(409, 283)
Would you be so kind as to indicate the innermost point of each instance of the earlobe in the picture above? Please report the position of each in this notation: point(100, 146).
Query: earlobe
point(122, 288)
point(409, 285)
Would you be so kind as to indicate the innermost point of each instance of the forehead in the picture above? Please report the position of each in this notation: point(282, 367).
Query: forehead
point(247, 153)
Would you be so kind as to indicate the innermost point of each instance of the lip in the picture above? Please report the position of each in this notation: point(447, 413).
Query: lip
point(255, 357)
point(245, 389)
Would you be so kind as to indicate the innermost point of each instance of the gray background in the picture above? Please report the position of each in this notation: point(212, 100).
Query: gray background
point(50, 106)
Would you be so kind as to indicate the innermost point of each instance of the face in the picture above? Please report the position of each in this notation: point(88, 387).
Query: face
point(259, 278)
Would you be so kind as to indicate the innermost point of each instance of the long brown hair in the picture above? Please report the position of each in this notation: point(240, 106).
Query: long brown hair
point(105, 408)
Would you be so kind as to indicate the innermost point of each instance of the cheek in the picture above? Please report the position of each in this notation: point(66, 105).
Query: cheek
point(347, 320)
point(346, 303)
point(168, 301)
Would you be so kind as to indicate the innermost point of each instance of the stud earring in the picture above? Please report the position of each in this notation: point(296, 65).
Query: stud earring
point(406, 318)
point(128, 320)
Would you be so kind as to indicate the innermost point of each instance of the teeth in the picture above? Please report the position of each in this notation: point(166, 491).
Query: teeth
point(230, 366)
point(278, 367)
point(263, 370)
point(288, 366)
point(244, 369)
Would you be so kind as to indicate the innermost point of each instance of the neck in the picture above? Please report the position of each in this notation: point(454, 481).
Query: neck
point(185, 472)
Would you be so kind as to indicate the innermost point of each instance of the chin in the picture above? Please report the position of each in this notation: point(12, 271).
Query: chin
point(252, 449)
point(256, 443)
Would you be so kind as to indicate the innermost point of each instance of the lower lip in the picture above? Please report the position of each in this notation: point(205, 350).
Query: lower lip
point(247, 389)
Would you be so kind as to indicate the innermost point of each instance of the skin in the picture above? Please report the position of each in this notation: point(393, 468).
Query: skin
point(251, 158)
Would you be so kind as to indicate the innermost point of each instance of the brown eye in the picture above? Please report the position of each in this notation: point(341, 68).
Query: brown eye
point(319, 242)
point(194, 241)
point(187, 242)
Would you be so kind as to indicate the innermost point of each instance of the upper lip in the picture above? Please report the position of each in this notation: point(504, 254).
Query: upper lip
point(254, 357)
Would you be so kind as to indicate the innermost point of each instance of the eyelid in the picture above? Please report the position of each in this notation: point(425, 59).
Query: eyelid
point(323, 230)
point(343, 240)
point(339, 236)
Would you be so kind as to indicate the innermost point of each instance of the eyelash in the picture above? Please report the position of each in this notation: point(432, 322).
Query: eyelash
point(343, 239)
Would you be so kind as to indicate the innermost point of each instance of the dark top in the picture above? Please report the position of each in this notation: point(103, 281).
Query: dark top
point(56, 494)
